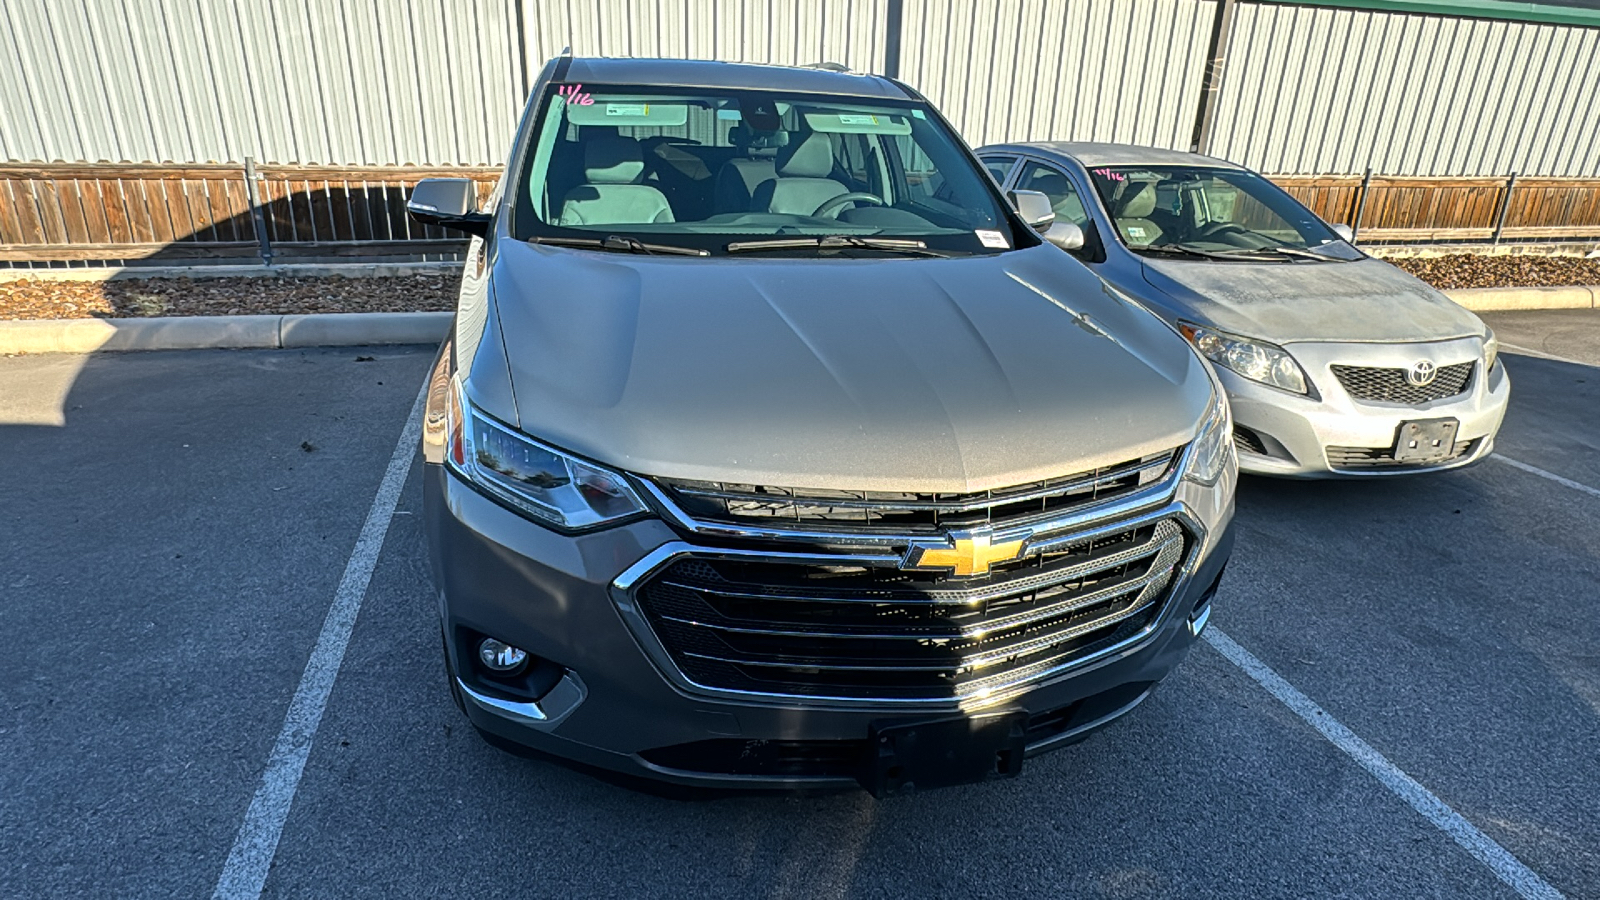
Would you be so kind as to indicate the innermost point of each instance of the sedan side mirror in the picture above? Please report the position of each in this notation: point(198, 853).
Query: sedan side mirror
point(1033, 207)
point(448, 203)
point(1065, 235)
point(1345, 233)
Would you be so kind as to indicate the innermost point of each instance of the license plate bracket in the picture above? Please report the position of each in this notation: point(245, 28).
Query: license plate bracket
point(906, 757)
point(1426, 440)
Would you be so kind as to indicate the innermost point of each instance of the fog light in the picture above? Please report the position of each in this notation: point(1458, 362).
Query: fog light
point(500, 657)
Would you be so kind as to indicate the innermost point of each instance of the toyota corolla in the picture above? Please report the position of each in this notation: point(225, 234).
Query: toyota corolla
point(1336, 363)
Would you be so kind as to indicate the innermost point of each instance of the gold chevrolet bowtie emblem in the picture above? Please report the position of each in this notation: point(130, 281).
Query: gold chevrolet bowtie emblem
point(972, 554)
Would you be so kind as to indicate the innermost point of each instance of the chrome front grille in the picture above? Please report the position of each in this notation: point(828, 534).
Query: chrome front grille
point(1390, 385)
point(859, 512)
point(816, 625)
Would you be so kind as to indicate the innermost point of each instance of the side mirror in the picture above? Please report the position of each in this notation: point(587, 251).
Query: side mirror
point(1345, 233)
point(1065, 235)
point(1033, 207)
point(448, 203)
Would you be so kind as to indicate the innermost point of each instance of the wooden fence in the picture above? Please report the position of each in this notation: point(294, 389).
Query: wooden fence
point(77, 211)
point(81, 211)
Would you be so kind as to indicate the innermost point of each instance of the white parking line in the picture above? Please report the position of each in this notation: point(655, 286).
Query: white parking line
point(1526, 351)
point(245, 872)
point(1483, 848)
point(1535, 470)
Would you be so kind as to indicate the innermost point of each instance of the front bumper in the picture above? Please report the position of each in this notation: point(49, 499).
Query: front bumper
point(607, 703)
point(1295, 432)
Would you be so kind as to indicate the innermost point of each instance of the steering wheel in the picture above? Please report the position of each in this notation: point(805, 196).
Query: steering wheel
point(1220, 228)
point(831, 208)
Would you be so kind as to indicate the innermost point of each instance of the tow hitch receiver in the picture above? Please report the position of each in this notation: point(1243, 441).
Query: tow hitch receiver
point(907, 757)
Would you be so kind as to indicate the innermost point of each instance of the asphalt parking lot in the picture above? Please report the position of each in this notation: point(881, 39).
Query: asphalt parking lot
point(175, 527)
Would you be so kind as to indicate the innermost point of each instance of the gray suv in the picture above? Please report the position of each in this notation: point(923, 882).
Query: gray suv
point(774, 446)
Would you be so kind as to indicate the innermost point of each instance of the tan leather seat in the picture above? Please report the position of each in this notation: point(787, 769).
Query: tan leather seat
point(802, 184)
point(1131, 209)
point(612, 195)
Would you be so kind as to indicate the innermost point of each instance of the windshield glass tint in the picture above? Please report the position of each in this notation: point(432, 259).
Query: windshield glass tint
point(706, 168)
point(1212, 210)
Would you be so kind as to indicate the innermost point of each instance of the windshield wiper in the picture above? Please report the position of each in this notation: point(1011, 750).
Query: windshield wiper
point(1180, 250)
point(1297, 253)
point(616, 243)
point(838, 242)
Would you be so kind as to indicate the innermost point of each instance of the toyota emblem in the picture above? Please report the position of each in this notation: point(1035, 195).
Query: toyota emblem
point(1421, 373)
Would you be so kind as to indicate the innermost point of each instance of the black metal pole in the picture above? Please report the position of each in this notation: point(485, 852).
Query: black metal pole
point(522, 51)
point(893, 20)
point(1505, 204)
point(1211, 81)
point(1361, 205)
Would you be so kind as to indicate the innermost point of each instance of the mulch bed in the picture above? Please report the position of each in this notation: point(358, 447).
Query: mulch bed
point(1471, 271)
point(144, 297)
point(418, 293)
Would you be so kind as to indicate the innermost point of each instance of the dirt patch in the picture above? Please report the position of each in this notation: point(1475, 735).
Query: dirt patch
point(142, 298)
point(138, 298)
point(1465, 270)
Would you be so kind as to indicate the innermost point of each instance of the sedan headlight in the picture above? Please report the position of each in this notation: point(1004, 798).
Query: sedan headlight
point(1255, 360)
point(535, 479)
point(1491, 349)
point(1212, 451)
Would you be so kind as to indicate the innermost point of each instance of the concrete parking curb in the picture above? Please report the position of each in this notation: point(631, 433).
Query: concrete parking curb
point(1501, 299)
point(284, 270)
point(222, 332)
point(354, 329)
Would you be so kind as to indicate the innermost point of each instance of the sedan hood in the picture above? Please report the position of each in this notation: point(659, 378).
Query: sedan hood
point(1364, 300)
point(948, 375)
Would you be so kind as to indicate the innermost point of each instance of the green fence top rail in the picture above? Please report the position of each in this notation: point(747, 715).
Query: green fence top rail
point(1571, 13)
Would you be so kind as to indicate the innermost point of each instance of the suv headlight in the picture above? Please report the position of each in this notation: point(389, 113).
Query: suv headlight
point(1212, 451)
point(1255, 360)
point(535, 479)
point(1491, 349)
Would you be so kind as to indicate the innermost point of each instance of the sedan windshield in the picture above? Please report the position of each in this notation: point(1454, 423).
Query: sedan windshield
point(1212, 213)
point(639, 169)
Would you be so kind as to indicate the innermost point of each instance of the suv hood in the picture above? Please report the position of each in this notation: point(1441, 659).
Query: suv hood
point(1363, 300)
point(948, 375)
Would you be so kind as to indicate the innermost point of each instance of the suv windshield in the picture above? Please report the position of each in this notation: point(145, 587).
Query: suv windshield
point(1211, 212)
point(704, 168)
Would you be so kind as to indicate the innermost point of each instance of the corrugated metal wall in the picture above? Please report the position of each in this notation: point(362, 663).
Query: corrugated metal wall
point(1319, 90)
point(386, 81)
point(375, 82)
point(1102, 70)
point(439, 82)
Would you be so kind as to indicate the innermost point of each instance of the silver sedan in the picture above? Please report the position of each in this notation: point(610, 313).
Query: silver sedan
point(1336, 363)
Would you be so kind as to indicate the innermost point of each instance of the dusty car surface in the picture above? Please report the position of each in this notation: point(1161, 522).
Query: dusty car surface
point(1336, 363)
point(773, 447)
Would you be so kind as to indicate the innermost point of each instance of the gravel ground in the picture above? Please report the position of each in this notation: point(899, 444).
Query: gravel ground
point(1466, 270)
point(272, 296)
point(224, 296)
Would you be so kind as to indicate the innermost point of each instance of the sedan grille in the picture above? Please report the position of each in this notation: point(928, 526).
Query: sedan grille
point(1390, 385)
point(818, 628)
point(1360, 458)
point(860, 512)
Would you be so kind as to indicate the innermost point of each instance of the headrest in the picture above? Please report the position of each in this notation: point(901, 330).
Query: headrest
point(810, 158)
point(1048, 182)
point(1137, 202)
point(612, 160)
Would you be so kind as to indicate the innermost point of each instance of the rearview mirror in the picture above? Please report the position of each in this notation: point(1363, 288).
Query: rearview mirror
point(1065, 235)
point(448, 203)
point(1345, 233)
point(1033, 207)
